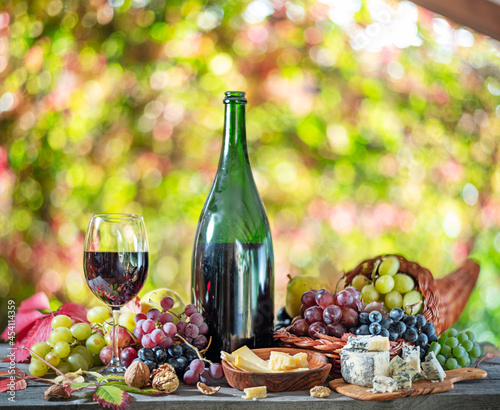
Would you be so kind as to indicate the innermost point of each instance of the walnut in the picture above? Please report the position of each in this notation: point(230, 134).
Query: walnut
point(203, 388)
point(320, 391)
point(165, 379)
point(137, 375)
point(56, 392)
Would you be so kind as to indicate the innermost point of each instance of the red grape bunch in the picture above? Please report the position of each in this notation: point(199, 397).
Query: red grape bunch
point(327, 314)
point(157, 327)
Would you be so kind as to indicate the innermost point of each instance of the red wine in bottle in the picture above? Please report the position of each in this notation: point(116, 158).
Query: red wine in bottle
point(233, 262)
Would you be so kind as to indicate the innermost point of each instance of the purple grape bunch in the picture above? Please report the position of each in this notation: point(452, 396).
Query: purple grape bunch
point(322, 312)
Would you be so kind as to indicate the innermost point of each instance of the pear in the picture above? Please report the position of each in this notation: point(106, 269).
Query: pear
point(296, 287)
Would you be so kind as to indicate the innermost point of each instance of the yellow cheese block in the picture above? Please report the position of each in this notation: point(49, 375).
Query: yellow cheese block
point(284, 362)
point(255, 393)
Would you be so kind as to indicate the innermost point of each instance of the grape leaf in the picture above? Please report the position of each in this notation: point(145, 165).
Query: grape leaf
point(24, 320)
point(74, 311)
point(39, 332)
point(74, 387)
point(39, 301)
point(109, 377)
point(19, 384)
point(132, 306)
point(150, 392)
point(111, 396)
point(8, 373)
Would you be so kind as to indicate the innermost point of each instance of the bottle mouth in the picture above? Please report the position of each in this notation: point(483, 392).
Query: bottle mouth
point(234, 97)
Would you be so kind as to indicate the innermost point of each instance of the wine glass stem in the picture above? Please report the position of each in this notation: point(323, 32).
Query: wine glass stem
point(115, 359)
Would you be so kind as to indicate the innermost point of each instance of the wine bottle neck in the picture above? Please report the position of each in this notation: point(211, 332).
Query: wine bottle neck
point(234, 146)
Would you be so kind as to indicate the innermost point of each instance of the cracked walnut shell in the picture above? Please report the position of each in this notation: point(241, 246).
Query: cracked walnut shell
point(165, 379)
point(137, 375)
point(208, 390)
point(320, 391)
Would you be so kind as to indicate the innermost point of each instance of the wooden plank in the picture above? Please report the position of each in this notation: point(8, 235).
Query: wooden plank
point(481, 15)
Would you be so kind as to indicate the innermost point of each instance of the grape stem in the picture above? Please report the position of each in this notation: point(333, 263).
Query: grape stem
point(196, 349)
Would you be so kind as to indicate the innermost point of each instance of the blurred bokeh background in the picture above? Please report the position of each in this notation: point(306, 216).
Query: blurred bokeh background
point(373, 127)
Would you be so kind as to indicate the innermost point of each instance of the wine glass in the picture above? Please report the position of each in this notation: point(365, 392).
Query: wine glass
point(115, 265)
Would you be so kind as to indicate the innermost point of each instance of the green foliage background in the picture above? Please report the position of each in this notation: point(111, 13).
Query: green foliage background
point(357, 150)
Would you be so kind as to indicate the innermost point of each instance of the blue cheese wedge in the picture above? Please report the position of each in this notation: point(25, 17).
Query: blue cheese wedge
point(432, 369)
point(382, 384)
point(403, 379)
point(411, 355)
point(398, 365)
point(360, 367)
point(368, 343)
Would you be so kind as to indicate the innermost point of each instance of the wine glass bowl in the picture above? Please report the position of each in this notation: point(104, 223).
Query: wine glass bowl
point(116, 265)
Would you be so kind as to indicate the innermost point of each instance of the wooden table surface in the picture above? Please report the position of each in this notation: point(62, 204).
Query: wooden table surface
point(477, 394)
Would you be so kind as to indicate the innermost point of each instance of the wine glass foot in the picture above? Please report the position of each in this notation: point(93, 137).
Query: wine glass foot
point(110, 369)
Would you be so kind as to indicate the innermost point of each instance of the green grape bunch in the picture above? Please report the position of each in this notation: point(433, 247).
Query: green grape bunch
point(456, 349)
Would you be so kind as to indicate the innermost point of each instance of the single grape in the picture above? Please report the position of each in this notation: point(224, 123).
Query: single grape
point(146, 353)
point(422, 340)
point(182, 363)
point(148, 326)
point(41, 349)
point(459, 351)
point(362, 330)
point(446, 351)
point(393, 335)
point(386, 322)
point(369, 294)
point(140, 316)
point(98, 314)
point(384, 284)
point(157, 336)
point(160, 355)
point(451, 364)
point(62, 349)
point(105, 354)
point(81, 331)
point(52, 358)
point(470, 335)
point(375, 328)
point(124, 338)
point(303, 309)
point(336, 329)
point(127, 356)
point(475, 351)
point(433, 338)
point(308, 298)
point(410, 321)
point(206, 378)
point(300, 328)
point(332, 314)
point(153, 314)
point(324, 298)
point(147, 342)
point(355, 293)
point(76, 362)
point(396, 314)
point(410, 335)
point(363, 318)
point(197, 366)
point(441, 359)
point(95, 343)
point(63, 367)
point(375, 316)
point(343, 299)
point(316, 328)
point(216, 371)
point(384, 332)
point(61, 321)
point(181, 326)
point(403, 283)
point(349, 317)
point(452, 342)
point(463, 361)
point(175, 351)
point(200, 342)
point(203, 328)
point(462, 337)
point(167, 303)
point(189, 310)
point(421, 321)
point(314, 314)
point(170, 329)
point(127, 320)
point(166, 343)
point(468, 345)
point(138, 332)
point(412, 302)
point(191, 331)
point(360, 281)
point(191, 378)
point(393, 299)
point(429, 329)
point(151, 365)
point(452, 332)
point(82, 350)
point(434, 347)
point(389, 266)
point(196, 319)
point(61, 334)
point(38, 368)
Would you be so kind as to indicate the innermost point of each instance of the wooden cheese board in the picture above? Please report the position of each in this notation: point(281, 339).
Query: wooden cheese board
point(418, 388)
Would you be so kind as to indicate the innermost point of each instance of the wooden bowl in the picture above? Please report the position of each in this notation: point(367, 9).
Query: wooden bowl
point(319, 368)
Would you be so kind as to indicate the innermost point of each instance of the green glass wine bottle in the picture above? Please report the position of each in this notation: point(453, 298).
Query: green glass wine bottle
point(233, 264)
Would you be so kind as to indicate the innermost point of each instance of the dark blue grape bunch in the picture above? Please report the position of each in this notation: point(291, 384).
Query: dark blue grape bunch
point(282, 319)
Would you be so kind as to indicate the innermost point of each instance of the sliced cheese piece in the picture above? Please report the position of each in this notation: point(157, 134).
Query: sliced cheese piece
point(411, 355)
point(382, 384)
point(432, 369)
point(281, 361)
point(301, 359)
point(247, 354)
point(398, 365)
point(403, 380)
point(360, 367)
point(247, 366)
point(368, 343)
point(255, 393)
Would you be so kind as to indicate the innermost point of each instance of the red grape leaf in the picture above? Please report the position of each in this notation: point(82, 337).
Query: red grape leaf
point(111, 396)
point(23, 320)
point(17, 372)
point(132, 306)
point(39, 332)
point(19, 384)
point(75, 387)
point(39, 301)
point(74, 311)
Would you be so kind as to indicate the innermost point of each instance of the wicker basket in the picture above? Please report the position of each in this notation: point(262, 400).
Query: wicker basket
point(444, 300)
